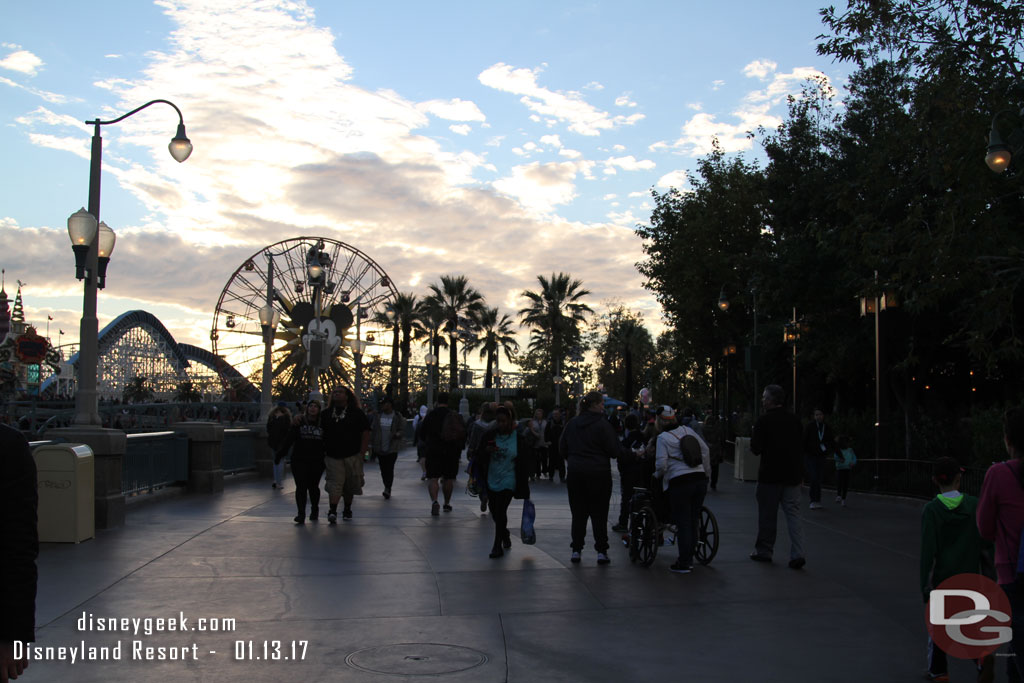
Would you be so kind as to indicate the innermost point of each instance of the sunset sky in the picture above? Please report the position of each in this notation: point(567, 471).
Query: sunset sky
point(496, 140)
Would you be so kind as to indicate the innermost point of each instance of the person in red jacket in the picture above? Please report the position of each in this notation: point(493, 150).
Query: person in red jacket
point(1001, 519)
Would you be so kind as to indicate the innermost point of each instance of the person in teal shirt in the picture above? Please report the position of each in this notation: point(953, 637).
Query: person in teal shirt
point(503, 465)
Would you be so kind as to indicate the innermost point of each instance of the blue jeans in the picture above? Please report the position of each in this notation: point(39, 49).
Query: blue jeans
point(769, 498)
point(686, 496)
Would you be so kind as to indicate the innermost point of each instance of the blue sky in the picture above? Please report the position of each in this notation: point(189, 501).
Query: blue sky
point(501, 141)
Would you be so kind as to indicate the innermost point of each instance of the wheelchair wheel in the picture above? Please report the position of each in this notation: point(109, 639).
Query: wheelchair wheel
point(707, 537)
point(643, 537)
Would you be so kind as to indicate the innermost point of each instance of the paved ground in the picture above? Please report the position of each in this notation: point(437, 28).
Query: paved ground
point(398, 591)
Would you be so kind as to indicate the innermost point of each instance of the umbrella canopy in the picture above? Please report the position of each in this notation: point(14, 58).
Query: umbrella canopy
point(609, 401)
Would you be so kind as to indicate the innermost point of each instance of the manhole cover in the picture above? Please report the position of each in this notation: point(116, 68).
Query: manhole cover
point(416, 659)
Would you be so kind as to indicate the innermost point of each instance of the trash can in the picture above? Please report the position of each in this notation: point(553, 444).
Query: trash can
point(67, 482)
point(745, 464)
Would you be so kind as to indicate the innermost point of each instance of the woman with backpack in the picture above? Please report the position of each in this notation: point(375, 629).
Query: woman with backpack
point(682, 462)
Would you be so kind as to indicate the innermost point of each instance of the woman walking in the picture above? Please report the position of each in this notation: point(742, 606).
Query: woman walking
point(278, 423)
point(504, 466)
point(306, 439)
point(386, 437)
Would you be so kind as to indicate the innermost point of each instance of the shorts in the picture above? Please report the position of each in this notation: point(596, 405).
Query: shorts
point(444, 466)
point(344, 476)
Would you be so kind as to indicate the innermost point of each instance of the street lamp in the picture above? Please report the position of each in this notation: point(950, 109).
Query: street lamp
point(874, 305)
point(791, 337)
point(723, 301)
point(91, 261)
point(430, 359)
point(270, 317)
point(557, 379)
point(999, 154)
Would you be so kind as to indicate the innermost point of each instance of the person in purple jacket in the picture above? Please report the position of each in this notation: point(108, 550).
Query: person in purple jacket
point(1001, 519)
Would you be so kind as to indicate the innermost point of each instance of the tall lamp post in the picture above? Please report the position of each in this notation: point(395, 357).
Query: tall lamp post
point(791, 336)
point(557, 379)
point(431, 361)
point(728, 351)
point(873, 306)
point(91, 258)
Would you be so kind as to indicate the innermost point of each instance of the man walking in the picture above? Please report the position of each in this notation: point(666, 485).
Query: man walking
point(346, 435)
point(777, 441)
point(589, 443)
point(19, 501)
point(445, 434)
point(819, 443)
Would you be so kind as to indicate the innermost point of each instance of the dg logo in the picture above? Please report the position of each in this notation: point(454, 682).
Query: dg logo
point(968, 616)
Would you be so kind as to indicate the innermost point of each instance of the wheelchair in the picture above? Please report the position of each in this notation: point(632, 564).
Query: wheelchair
point(645, 533)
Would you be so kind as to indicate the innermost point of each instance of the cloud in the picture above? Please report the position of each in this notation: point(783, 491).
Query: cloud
point(461, 129)
point(22, 61)
point(675, 179)
point(453, 110)
point(755, 111)
point(624, 101)
point(286, 144)
point(715, 85)
point(45, 95)
point(630, 163)
point(568, 107)
point(760, 69)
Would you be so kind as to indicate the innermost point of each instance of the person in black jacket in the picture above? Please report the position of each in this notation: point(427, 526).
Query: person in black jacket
point(553, 435)
point(819, 443)
point(777, 440)
point(278, 423)
point(589, 443)
point(19, 537)
point(346, 436)
point(503, 463)
point(306, 438)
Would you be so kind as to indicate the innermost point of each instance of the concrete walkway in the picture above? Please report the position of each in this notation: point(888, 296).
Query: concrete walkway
point(397, 594)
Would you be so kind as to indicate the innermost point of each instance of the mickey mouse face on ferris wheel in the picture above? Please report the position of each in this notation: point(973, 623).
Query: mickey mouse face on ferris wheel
point(335, 324)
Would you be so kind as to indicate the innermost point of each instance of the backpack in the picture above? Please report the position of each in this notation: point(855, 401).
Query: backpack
point(689, 449)
point(453, 429)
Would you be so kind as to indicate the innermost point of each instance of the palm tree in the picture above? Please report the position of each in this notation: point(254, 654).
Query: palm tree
point(495, 335)
point(628, 339)
point(407, 322)
point(555, 313)
point(457, 300)
point(430, 319)
point(390, 323)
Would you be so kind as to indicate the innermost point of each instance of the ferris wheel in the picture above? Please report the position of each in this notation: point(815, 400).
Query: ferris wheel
point(329, 299)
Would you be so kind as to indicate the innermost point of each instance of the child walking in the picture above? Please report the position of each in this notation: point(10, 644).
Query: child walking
point(845, 460)
point(950, 545)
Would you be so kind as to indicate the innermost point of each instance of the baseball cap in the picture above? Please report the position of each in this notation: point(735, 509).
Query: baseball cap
point(666, 412)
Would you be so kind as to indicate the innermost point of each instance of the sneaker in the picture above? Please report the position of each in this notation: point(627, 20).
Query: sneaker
point(679, 568)
point(757, 557)
point(387, 494)
point(603, 559)
point(332, 517)
point(575, 557)
point(496, 551)
point(346, 513)
point(423, 478)
point(435, 508)
point(619, 528)
point(797, 563)
point(299, 519)
point(839, 499)
point(314, 514)
point(447, 507)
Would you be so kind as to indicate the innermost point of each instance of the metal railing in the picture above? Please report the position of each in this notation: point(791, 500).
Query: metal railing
point(154, 460)
point(901, 477)
point(238, 454)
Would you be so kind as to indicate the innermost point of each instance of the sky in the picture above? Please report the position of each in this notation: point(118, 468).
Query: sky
point(496, 140)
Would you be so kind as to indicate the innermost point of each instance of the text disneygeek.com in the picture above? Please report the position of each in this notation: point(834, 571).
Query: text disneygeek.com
point(144, 650)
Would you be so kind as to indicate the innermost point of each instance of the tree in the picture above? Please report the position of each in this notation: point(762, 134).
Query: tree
point(495, 336)
point(455, 299)
point(625, 351)
point(431, 318)
point(407, 323)
point(555, 313)
point(186, 392)
point(137, 390)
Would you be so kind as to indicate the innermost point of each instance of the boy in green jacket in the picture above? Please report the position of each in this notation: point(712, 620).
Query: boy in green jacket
point(950, 545)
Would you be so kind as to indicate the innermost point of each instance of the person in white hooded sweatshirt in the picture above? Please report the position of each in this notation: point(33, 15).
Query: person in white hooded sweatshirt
point(686, 485)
